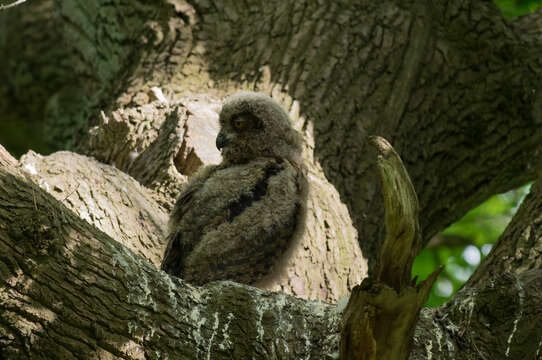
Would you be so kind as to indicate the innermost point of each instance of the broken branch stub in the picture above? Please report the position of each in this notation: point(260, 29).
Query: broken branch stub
point(379, 320)
point(403, 238)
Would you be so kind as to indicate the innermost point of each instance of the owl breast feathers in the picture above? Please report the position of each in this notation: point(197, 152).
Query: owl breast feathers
point(233, 221)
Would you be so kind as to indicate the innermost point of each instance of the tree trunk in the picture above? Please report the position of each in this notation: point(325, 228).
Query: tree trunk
point(453, 86)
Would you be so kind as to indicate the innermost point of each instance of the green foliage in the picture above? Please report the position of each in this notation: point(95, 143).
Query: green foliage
point(464, 244)
point(513, 8)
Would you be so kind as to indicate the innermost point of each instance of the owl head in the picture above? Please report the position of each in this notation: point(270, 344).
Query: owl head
point(252, 125)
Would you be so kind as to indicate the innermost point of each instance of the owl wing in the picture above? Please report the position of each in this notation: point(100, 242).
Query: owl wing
point(174, 249)
point(175, 245)
point(239, 224)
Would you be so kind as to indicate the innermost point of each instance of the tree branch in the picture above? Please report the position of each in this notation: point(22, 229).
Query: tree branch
point(103, 196)
point(436, 78)
point(446, 75)
point(519, 248)
point(18, 2)
point(452, 84)
point(498, 319)
point(69, 290)
point(380, 318)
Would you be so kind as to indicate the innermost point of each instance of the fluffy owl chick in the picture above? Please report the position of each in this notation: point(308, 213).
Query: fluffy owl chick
point(233, 221)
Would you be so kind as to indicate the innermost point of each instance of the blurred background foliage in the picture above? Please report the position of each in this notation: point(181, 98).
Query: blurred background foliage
point(463, 245)
point(513, 8)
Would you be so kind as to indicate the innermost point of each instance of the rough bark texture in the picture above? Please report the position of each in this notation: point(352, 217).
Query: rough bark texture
point(499, 319)
point(453, 86)
point(433, 78)
point(105, 197)
point(64, 297)
point(69, 290)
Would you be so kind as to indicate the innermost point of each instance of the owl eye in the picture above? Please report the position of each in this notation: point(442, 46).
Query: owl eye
point(246, 122)
point(239, 123)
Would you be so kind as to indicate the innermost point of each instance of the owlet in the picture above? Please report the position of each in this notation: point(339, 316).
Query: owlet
point(233, 221)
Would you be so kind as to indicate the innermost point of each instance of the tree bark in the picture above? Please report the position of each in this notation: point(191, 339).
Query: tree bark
point(451, 84)
point(69, 290)
point(454, 86)
point(381, 315)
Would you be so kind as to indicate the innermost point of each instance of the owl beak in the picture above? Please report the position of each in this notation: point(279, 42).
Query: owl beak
point(221, 140)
